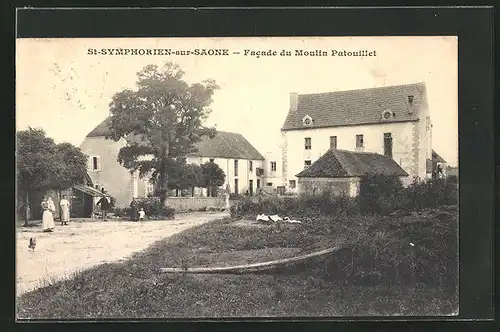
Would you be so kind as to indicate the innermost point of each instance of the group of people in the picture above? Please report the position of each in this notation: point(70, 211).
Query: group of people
point(49, 209)
point(104, 203)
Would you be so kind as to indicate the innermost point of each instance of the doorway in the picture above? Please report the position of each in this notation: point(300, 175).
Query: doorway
point(250, 185)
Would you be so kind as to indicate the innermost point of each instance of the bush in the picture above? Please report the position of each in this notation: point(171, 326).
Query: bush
point(302, 207)
point(154, 208)
point(121, 212)
point(432, 193)
point(380, 194)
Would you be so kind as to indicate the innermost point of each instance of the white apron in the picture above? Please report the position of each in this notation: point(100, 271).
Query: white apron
point(64, 210)
point(47, 216)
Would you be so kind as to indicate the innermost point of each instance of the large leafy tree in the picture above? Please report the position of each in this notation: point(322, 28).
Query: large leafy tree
point(75, 166)
point(43, 165)
point(161, 120)
point(212, 177)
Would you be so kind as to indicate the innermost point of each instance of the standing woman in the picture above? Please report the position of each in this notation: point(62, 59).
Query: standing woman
point(64, 204)
point(48, 216)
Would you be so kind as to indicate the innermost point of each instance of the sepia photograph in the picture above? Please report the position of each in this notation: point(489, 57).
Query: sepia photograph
point(242, 177)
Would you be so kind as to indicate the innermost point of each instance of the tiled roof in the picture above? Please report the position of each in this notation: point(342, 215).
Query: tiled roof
point(354, 107)
point(437, 158)
point(227, 145)
point(101, 130)
point(223, 145)
point(340, 163)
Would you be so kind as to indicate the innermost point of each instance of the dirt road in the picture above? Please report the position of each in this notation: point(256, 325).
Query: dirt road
point(81, 245)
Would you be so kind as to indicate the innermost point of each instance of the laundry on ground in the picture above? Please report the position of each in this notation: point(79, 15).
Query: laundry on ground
point(276, 218)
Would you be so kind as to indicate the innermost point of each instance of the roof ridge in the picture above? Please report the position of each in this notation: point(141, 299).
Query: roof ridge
point(422, 83)
point(358, 152)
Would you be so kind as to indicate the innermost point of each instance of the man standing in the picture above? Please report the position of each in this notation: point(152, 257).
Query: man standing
point(103, 203)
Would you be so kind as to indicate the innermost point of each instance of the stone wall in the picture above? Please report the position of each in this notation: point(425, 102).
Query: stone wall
point(183, 204)
point(318, 185)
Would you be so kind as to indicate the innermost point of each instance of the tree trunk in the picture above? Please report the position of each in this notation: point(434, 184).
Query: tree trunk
point(192, 192)
point(163, 185)
point(26, 209)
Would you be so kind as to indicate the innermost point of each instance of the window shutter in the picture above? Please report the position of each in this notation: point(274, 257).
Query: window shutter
point(98, 163)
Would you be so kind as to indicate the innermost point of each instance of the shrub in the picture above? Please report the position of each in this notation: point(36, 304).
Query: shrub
point(432, 193)
point(380, 194)
point(303, 207)
point(121, 212)
point(154, 208)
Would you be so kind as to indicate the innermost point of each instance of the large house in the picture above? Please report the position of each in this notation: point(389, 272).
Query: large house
point(240, 161)
point(392, 121)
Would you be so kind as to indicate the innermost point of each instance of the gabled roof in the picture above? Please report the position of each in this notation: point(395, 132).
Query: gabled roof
point(227, 145)
point(340, 164)
point(355, 107)
point(437, 158)
point(223, 145)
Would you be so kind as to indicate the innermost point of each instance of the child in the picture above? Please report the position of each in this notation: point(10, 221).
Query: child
point(142, 214)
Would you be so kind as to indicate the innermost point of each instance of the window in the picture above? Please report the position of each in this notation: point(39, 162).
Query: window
point(236, 168)
point(212, 160)
point(333, 142)
point(307, 120)
point(292, 184)
point(388, 114)
point(95, 163)
point(307, 163)
point(250, 166)
point(307, 143)
point(236, 186)
point(269, 184)
point(410, 100)
point(388, 145)
point(273, 166)
point(359, 141)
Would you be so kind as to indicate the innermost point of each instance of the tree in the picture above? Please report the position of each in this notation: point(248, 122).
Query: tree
point(193, 177)
point(175, 173)
point(161, 121)
point(43, 165)
point(212, 177)
point(75, 166)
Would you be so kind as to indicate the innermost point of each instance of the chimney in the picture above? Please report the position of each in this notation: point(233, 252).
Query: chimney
point(294, 100)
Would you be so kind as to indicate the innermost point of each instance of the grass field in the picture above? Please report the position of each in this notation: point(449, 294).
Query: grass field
point(135, 288)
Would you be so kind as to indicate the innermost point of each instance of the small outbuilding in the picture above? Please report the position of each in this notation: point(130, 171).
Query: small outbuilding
point(340, 172)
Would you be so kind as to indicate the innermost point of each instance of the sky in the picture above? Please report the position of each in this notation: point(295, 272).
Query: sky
point(63, 89)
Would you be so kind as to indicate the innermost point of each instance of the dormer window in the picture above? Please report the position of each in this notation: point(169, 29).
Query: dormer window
point(387, 115)
point(410, 104)
point(307, 120)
